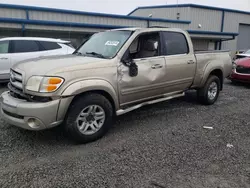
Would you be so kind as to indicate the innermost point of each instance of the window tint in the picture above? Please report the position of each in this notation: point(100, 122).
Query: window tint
point(174, 43)
point(21, 46)
point(4, 47)
point(49, 45)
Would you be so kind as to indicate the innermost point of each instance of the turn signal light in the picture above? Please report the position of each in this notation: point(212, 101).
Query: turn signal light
point(51, 88)
point(53, 81)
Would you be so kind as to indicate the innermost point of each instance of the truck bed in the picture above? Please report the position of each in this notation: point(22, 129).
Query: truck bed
point(211, 58)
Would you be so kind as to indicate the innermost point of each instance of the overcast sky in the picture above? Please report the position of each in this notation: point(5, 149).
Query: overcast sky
point(124, 6)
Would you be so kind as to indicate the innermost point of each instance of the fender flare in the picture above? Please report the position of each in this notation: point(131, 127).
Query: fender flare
point(211, 66)
point(92, 85)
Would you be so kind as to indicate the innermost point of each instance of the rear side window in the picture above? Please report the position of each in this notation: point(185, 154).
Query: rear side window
point(22, 46)
point(4, 47)
point(174, 43)
point(49, 45)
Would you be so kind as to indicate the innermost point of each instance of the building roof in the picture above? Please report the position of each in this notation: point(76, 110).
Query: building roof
point(28, 21)
point(56, 10)
point(190, 5)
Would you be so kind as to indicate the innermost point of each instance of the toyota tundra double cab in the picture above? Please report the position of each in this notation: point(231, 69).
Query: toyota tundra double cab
point(112, 73)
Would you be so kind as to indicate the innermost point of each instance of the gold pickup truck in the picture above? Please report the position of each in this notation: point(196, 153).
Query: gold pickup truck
point(112, 73)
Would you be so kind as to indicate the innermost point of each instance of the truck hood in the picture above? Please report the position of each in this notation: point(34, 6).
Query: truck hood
point(61, 63)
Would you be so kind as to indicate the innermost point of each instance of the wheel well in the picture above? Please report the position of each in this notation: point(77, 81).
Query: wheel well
point(101, 92)
point(219, 74)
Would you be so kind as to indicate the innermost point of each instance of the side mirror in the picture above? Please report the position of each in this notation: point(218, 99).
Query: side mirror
point(133, 68)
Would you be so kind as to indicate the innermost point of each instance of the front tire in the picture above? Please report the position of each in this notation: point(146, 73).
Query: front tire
point(208, 95)
point(89, 118)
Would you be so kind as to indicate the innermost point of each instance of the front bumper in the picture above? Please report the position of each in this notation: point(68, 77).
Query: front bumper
point(29, 115)
point(239, 77)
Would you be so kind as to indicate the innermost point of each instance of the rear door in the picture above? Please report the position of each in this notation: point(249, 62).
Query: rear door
point(4, 60)
point(180, 61)
point(24, 50)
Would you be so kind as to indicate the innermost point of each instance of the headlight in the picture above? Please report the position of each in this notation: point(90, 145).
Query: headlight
point(44, 84)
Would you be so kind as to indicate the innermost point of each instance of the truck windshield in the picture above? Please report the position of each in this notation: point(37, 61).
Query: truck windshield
point(104, 44)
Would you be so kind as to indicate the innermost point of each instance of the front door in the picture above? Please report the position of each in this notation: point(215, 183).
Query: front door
point(149, 83)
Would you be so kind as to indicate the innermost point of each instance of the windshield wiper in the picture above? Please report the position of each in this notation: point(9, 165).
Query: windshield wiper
point(96, 54)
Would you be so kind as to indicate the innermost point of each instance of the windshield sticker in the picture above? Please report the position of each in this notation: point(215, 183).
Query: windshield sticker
point(112, 43)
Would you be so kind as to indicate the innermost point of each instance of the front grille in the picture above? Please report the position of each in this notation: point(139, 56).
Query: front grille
point(13, 115)
point(16, 93)
point(16, 89)
point(16, 85)
point(16, 79)
point(243, 70)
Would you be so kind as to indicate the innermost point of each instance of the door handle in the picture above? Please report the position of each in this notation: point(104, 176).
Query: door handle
point(3, 58)
point(156, 66)
point(190, 62)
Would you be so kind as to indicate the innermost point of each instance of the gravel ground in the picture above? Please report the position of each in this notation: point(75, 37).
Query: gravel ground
point(158, 146)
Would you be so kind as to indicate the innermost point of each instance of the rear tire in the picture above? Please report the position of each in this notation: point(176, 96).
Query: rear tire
point(89, 118)
point(210, 92)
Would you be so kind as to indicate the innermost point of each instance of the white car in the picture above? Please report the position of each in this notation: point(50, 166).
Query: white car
point(16, 49)
point(242, 54)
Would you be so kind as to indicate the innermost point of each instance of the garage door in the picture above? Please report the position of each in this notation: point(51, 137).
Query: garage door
point(243, 41)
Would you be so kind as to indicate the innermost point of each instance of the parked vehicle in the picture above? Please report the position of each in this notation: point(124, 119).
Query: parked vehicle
point(241, 71)
point(16, 49)
point(112, 73)
point(242, 54)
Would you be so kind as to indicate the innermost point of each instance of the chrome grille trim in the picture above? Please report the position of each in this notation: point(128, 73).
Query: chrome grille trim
point(18, 85)
point(16, 75)
point(16, 79)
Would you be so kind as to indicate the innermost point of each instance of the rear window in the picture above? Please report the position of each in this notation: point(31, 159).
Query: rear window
point(49, 45)
point(4, 47)
point(22, 46)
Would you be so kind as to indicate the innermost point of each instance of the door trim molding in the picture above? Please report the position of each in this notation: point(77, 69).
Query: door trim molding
point(155, 86)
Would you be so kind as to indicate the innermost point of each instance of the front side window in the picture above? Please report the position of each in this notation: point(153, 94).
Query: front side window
point(145, 46)
point(22, 46)
point(4, 47)
point(174, 43)
point(104, 44)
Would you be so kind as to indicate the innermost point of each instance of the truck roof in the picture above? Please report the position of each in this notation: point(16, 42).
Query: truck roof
point(156, 28)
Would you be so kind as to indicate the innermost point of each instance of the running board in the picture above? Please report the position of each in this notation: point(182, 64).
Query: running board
point(124, 111)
